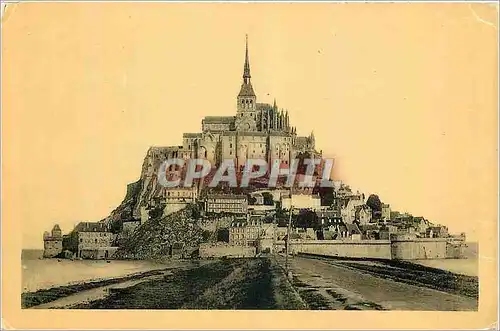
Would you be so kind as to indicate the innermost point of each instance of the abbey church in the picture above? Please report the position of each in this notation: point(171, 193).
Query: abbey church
point(258, 131)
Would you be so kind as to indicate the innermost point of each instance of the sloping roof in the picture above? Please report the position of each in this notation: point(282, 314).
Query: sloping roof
point(369, 227)
point(264, 106)
point(299, 141)
point(342, 228)
point(91, 227)
point(226, 196)
point(326, 213)
point(360, 208)
point(246, 90)
point(191, 135)
point(219, 119)
point(353, 228)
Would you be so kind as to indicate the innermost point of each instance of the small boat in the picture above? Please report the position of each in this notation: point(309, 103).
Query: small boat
point(108, 261)
point(58, 260)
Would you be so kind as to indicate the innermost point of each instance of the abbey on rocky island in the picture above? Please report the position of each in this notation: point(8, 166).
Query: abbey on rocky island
point(258, 131)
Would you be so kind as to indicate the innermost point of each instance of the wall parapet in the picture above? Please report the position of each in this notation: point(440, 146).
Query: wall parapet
point(398, 248)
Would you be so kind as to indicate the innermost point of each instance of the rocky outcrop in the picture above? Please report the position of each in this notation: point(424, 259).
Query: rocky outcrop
point(157, 237)
point(141, 192)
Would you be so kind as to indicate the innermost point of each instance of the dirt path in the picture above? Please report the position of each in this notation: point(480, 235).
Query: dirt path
point(325, 285)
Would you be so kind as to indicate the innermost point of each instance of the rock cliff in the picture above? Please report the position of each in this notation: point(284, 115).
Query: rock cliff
point(141, 192)
point(157, 237)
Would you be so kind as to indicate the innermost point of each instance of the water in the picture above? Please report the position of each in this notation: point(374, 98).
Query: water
point(468, 266)
point(46, 273)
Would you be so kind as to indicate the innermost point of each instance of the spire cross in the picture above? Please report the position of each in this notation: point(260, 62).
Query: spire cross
point(246, 69)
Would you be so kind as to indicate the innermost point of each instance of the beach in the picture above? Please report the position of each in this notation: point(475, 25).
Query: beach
point(315, 282)
point(469, 267)
point(47, 273)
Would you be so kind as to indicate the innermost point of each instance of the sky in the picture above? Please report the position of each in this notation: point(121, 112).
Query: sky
point(404, 96)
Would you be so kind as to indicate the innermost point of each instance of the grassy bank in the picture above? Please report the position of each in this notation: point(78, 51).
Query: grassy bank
point(225, 284)
point(414, 274)
point(39, 297)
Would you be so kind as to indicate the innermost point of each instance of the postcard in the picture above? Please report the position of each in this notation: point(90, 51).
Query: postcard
point(249, 165)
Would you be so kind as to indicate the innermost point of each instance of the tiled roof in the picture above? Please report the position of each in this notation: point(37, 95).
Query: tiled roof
point(219, 119)
point(342, 228)
point(353, 228)
point(226, 196)
point(246, 90)
point(91, 227)
point(371, 227)
point(192, 135)
point(264, 106)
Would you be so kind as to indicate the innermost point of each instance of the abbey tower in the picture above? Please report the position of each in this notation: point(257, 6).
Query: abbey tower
point(258, 130)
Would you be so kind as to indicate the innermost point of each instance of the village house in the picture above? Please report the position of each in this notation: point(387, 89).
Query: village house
point(301, 201)
point(226, 203)
point(348, 210)
point(342, 231)
point(363, 214)
point(386, 231)
point(386, 211)
point(177, 198)
point(420, 224)
point(252, 233)
point(91, 240)
point(370, 231)
point(327, 217)
point(438, 231)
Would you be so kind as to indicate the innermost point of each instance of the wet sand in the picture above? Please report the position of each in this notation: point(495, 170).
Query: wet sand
point(359, 285)
point(261, 283)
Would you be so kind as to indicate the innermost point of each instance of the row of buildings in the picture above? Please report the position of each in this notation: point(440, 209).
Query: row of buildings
point(256, 130)
point(88, 240)
point(253, 225)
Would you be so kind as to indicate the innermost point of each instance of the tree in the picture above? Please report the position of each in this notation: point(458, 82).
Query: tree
point(116, 226)
point(375, 204)
point(251, 200)
point(223, 235)
point(327, 196)
point(307, 219)
point(195, 211)
point(156, 212)
point(268, 199)
point(206, 235)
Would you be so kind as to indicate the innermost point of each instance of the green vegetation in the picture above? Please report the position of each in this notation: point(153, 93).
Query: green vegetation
point(156, 237)
point(376, 205)
point(39, 297)
point(224, 284)
point(415, 274)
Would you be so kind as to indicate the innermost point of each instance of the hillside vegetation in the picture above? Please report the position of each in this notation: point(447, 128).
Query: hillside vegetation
point(157, 237)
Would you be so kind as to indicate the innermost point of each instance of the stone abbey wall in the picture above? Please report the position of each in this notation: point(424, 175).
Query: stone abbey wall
point(419, 249)
point(225, 250)
point(375, 249)
point(401, 249)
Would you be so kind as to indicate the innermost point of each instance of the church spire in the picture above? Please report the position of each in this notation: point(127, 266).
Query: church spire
point(246, 87)
point(246, 68)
